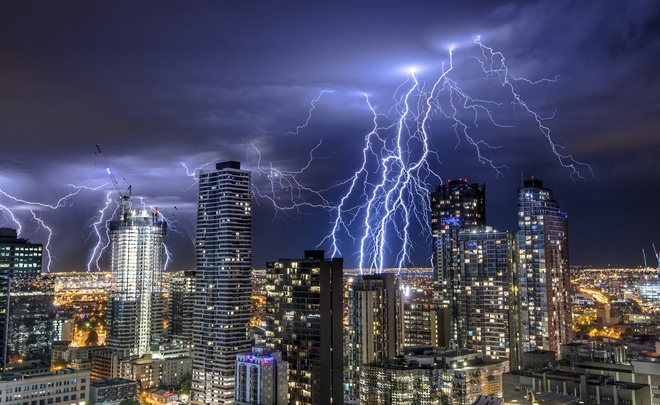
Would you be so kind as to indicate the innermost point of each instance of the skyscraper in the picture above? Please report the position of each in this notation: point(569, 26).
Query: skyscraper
point(135, 304)
point(455, 207)
point(223, 281)
point(375, 325)
point(422, 321)
point(304, 307)
point(488, 294)
point(26, 300)
point(181, 307)
point(546, 315)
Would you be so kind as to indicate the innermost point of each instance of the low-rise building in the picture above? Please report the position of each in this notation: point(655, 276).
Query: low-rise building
point(161, 397)
point(111, 391)
point(63, 387)
point(427, 375)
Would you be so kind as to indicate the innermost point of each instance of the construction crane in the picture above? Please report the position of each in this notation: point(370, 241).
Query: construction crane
point(656, 256)
point(646, 267)
point(186, 226)
point(123, 197)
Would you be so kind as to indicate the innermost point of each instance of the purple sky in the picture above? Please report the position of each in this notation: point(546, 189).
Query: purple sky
point(162, 84)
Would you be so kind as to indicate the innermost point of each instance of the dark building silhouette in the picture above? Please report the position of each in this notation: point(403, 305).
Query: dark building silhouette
point(304, 307)
point(181, 307)
point(375, 325)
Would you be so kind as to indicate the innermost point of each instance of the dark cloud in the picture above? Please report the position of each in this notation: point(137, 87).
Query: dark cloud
point(160, 86)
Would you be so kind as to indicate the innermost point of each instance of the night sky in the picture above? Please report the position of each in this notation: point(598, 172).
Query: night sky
point(160, 85)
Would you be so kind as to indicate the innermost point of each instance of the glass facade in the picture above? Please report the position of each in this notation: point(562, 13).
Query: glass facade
point(545, 290)
point(455, 207)
point(135, 304)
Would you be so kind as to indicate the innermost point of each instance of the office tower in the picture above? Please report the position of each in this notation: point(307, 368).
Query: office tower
point(261, 378)
point(135, 304)
point(487, 294)
point(428, 375)
point(31, 318)
point(546, 315)
point(422, 323)
point(223, 281)
point(375, 325)
point(304, 314)
point(20, 264)
point(455, 206)
point(19, 257)
point(181, 307)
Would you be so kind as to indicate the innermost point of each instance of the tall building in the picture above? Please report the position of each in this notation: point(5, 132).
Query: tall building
point(261, 378)
point(181, 307)
point(19, 257)
point(31, 318)
point(135, 304)
point(223, 281)
point(26, 300)
point(304, 321)
point(487, 295)
point(546, 316)
point(375, 325)
point(455, 207)
point(422, 323)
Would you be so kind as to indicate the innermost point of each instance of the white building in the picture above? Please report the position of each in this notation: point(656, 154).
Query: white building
point(223, 285)
point(135, 305)
point(64, 387)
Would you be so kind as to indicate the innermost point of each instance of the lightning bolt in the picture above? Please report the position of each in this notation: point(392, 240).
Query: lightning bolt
point(388, 195)
point(31, 206)
point(50, 235)
point(102, 237)
point(492, 63)
point(193, 173)
point(309, 116)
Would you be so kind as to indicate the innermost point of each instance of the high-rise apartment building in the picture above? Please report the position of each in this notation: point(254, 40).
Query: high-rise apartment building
point(456, 206)
point(375, 325)
point(181, 307)
point(261, 378)
point(135, 304)
point(304, 316)
point(223, 281)
point(546, 316)
point(487, 295)
point(422, 322)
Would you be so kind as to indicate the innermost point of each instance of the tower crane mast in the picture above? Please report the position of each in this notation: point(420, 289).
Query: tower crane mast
point(123, 197)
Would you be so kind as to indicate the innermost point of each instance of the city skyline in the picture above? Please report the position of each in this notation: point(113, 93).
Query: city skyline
point(162, 87)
